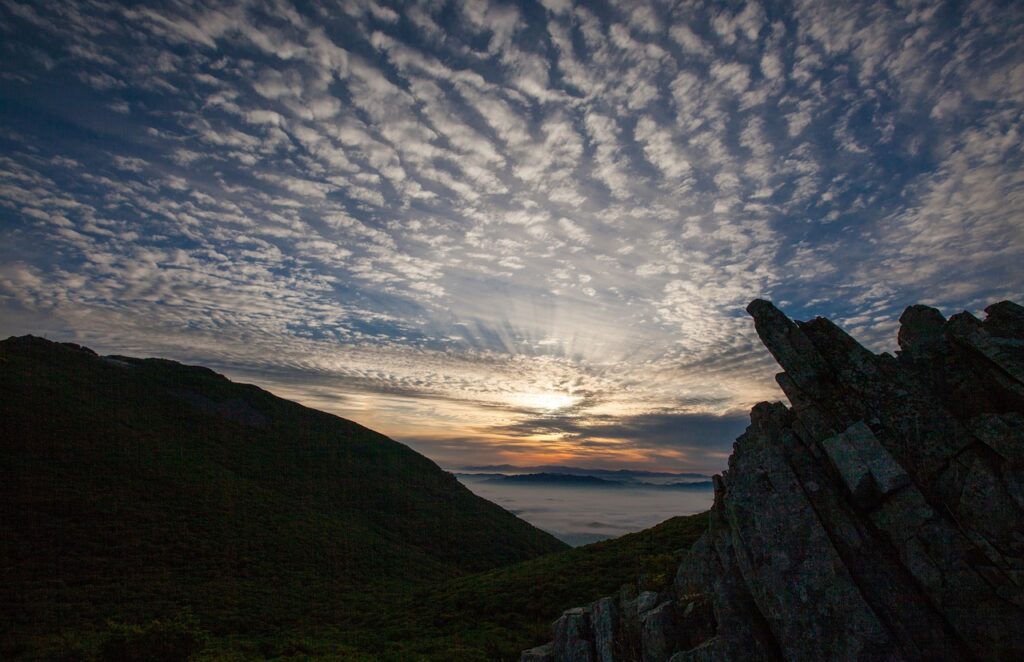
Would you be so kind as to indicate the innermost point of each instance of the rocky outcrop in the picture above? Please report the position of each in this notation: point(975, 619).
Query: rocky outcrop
point(879, 517)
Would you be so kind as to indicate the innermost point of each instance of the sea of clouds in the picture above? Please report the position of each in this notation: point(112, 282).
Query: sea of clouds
point(581, 515)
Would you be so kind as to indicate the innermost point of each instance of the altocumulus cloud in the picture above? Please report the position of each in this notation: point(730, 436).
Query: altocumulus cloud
point(504, 231)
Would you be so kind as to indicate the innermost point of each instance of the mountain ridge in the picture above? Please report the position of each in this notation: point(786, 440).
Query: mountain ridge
point(134, 485)
point(557, 468)
point(580, 480)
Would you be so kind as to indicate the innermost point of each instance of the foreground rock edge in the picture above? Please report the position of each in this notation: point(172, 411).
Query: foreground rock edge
point(879, 517)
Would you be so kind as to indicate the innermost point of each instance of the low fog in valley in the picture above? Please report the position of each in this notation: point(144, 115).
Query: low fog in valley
point(581, 515)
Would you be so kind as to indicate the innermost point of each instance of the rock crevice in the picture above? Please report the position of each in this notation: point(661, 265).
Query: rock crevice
point(878, 517)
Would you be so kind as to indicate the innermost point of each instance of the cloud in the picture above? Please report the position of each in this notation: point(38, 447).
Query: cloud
point(688, 40)
point(434, 220)
point(648, 430)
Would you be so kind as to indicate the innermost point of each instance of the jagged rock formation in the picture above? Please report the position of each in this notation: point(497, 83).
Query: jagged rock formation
point(881, 517)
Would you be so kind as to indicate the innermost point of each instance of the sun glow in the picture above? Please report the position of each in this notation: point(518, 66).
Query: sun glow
point(546, 401)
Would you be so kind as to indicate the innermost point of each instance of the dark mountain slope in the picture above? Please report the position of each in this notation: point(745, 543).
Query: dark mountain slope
point(132, 487)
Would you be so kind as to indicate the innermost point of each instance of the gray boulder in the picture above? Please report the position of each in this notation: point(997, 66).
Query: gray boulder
point(545, 653)
point(573, 642)
point(604, 623)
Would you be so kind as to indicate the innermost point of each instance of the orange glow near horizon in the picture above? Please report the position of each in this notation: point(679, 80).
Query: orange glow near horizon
point(528, 410)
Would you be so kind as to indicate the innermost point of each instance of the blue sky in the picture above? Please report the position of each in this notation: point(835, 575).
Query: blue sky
point(505, 232)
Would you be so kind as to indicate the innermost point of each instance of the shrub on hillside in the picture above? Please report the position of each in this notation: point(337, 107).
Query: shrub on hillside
point(171, 640)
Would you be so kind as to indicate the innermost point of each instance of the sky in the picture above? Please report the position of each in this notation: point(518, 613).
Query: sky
point(503, 232)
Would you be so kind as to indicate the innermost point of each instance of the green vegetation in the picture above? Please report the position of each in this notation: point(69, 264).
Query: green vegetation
point(158, 641)
point(491, 615)
point(496, 614)
point(147, 505)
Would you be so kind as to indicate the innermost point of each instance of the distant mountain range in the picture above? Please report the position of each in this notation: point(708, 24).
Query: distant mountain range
point(618, 475)
point(552, 475)
point(573, 480)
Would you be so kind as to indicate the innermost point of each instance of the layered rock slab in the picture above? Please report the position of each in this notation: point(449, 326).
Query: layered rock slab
point(880, 517)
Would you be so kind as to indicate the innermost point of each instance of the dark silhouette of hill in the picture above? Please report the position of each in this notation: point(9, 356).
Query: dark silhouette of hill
point(134, 487)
